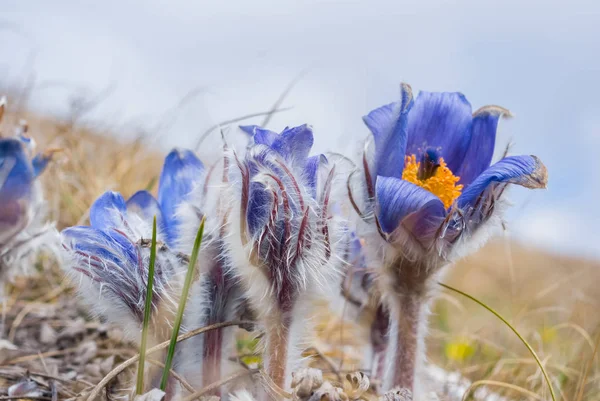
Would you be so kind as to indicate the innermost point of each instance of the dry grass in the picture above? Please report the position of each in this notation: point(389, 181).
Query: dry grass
point(552, 300)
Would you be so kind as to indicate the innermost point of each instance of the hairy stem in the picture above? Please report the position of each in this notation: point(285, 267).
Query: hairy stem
point(211, 364)
point(277, 353)
point(406, 326)
point(380, 328)
point(407, 295)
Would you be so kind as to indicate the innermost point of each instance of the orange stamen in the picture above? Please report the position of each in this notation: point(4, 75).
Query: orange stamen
point(442, 184)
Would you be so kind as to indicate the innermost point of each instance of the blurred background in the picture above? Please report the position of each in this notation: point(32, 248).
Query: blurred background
point(171, 70)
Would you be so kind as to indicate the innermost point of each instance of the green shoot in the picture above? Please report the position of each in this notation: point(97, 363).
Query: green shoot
point(181, 307)
point(151, 183)
point(514, 330)
point(139, 389)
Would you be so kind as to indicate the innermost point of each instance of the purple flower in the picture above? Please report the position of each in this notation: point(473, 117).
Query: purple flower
point(23, 230)
point(285, 232)
point(428, 185)
point(18, 174)
point(358, 280)
point(431, 176)
point(284, 215)
point(16, 191)
point(112, 254)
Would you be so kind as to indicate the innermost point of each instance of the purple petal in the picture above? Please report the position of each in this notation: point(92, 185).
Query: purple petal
point(16, 180)
point(358, 279)
point(295, 143)
point(93, 242)
point(108, 212)
point(311, 171)
point(248, 129)
point(116, 265)
point(440, 120)
point(397, 199)
point(40, 162)
point(527, 171)
point(483, 139)
point(16, 172)
point(24, 138)
point(424, 224)
point(260, 135)
point(389, 126)
point(144, 205)
point(259, 207)
point(181, 170)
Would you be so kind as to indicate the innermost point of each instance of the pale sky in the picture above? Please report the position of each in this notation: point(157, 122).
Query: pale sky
point(540, 59)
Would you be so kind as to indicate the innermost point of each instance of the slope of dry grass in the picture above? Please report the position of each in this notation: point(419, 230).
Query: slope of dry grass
point(551, 299)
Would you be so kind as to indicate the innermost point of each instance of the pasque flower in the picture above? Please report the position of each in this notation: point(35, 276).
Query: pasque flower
point(110, 257)
point(429, 188)
point(284, 244)
point(216, 296)
point(22, 206)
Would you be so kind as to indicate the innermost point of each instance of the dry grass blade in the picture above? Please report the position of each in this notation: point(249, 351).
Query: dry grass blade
point(177, 376)
point(219, 383)
point(335, 369)
point(273, 386)
point(500, 384)
point(96, 391)
point(31, 306)
point(281, 98)
point(587, 370)
point(27, 358)
point(579, 330)
point(507, 323)
point(236, 120)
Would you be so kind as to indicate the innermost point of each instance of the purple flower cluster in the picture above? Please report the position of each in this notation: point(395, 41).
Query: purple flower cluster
point(278, 236)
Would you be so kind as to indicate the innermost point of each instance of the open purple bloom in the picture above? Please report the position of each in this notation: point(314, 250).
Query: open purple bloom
point(428, 185)
point(112, 253)
point(431, 176)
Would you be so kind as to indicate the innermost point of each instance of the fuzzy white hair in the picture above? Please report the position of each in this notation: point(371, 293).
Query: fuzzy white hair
point(22, 245)
point(114, 286)
point(242, 395)
point(312, 246)
point(216, 295)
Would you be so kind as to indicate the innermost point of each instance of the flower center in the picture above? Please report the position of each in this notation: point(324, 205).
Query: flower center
point(433, 176)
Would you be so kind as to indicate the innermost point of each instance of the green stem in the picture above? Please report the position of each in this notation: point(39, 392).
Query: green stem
point(139, 389)
point(181, 307)
point(533, 353)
